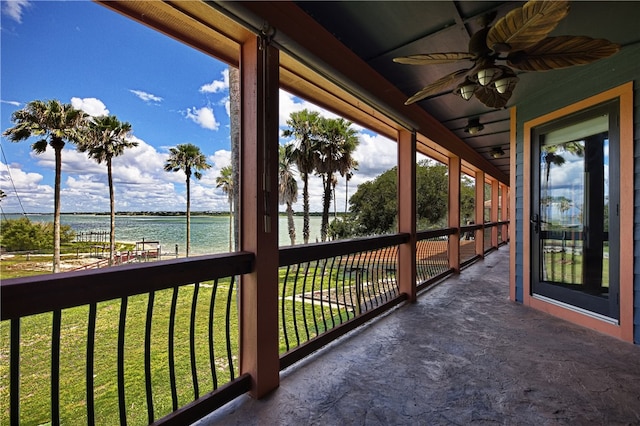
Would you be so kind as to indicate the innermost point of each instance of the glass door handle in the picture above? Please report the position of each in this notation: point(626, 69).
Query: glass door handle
point(535, 221)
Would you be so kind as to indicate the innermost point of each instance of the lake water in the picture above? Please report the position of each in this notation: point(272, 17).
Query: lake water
point(209, 234)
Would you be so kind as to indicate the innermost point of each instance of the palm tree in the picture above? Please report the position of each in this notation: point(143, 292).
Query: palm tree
point(303, 125)
point(339, 141)
point(287, 187)
point(565, 205)
point(54, 123)
point(347, 178)
point(105, 138)
point(552, 157)
point(187, 158)
point(225, 181)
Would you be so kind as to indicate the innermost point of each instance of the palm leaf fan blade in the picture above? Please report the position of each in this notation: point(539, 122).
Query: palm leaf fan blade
point(442, 84)
point(526, 26)
point(562, 52)
point(433, 58)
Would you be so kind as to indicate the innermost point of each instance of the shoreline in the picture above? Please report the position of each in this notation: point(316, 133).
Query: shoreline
point(161, 213)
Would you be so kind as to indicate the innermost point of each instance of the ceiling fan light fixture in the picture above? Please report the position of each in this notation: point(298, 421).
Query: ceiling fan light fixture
point(506, 83)
point(474, 126)
point(496, 152)
point(486, 75)
point(465, 90)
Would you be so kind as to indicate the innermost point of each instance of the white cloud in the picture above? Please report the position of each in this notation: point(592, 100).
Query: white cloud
point(30, 193)
point(140, 183)
point(145, 96)
point(92, 106)
point(204, 117)
point(14, 103)
point(227, 105)
point(217, 86)
point(290, 103)
point(15, 8)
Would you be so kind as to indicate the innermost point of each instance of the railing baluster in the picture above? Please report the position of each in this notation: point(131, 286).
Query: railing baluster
point(14, 372)
point(391, 253)
point(376, 270)
point(228, 328)
point(304, 305)
point(91, 338)
point(121, 385)
point(192, 341)
point(369, 274)
point(284, 311)
point(313, 297)
point(55, 367)
point(351, 257)
point(331, 274)
point(147, 357)
point(172, 361)
point(293, 311)
point(212, 359)
point(322, 275)
point(315, 273)
point(343, 266)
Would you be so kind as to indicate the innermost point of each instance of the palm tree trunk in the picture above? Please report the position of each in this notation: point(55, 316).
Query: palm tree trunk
point(57, 146)
point(230, 223)
point(305, 207)
point(326, 204)
point(346, 195)
point(112, 207)
point(188, 216)
point(335, 202)
point(292, 227)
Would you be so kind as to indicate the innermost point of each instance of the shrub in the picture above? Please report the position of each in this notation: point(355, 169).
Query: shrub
point(22, 234)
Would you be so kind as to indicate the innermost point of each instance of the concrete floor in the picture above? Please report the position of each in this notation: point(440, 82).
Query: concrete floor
point(462, 354)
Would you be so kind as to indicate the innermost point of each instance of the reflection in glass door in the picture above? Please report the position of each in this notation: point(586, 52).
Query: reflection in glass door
point(574, 218)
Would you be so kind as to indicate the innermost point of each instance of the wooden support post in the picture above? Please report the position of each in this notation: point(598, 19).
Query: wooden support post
point(480, 212)
point(495, 202)
point(259, 214)
point(454, 212)
point(504, 212)
point(407, 212)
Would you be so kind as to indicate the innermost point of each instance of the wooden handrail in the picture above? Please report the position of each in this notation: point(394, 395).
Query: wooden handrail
point(300, 254)
point(46, 293)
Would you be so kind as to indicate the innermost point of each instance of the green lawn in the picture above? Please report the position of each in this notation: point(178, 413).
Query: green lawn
point(302, 321)
point(36, 352)
point(36, 355)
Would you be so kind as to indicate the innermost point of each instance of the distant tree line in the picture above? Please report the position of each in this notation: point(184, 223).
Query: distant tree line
point(374, 206)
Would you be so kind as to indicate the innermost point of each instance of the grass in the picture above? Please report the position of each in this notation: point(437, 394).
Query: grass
point(565, 268)
point(35, 357)
point(30, 264)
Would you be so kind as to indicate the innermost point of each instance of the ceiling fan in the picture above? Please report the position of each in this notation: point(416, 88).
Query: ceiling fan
point(520, 40)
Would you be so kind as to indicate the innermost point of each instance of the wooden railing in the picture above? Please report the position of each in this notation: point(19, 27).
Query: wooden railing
point(329, 289)
point(167, 330)
point(170, 329)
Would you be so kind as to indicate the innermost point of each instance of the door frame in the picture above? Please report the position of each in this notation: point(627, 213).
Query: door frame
point(623, 328)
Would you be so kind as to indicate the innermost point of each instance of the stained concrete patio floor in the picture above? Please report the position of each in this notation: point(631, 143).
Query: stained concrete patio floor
point(463, 354)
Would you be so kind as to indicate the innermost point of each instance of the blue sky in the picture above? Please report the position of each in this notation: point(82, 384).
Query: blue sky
point(82, 53)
